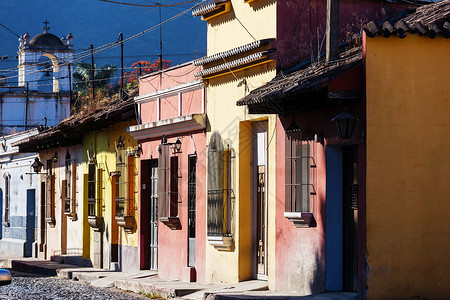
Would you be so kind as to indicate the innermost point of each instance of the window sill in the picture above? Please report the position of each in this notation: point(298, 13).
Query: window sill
point(73, 216)
point(171, 222)
point(224, 243)
point(127, 222)
point(51, 222)
point(96, 223)
point(300, 219)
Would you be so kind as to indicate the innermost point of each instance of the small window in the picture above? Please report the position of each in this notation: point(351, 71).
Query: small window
point(298, 173)
point(7, 198)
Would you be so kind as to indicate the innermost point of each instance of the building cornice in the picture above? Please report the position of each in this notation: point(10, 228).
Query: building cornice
point(169, 127)
point(182, 88)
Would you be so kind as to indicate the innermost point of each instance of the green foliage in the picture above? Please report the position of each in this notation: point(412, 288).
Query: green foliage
point(82, 76)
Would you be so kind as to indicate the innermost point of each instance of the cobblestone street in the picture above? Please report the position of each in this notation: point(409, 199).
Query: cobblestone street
point(29, 286)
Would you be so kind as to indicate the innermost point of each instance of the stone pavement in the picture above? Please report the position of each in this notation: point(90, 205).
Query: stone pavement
point(148, 283)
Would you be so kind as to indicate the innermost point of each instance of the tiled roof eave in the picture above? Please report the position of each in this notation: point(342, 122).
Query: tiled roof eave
point(302, 82)
point(234, 63)
point(431, 20)
point(231, 52)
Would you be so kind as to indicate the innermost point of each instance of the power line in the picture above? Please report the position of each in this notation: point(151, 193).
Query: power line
point(105, 47)
point(148, 5)
point(10, 30)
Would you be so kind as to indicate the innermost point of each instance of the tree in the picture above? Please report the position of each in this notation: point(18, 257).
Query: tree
point(141, 68)
point(82, 81)
point(82, 76)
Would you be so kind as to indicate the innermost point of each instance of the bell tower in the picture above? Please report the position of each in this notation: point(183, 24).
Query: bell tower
point(58, 51)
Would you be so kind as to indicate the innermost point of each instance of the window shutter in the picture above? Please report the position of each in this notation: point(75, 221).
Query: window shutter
point(64, 196)
point(305, 182)
point(99, 187)
point(91, 189)
point(130, 186)
point(74, 187)
point(289, 172)
point(163, 181)
point(52, 196)
point(173, 186)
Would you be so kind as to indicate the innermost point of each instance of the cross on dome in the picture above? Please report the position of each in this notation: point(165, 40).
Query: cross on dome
point(46, 27)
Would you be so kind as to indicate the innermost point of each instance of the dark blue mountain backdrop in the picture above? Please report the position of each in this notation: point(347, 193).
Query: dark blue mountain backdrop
point(99, 23)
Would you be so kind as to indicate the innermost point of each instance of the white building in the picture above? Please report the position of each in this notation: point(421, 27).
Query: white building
point(18, 197)
point(41, 98)
point(44, 77)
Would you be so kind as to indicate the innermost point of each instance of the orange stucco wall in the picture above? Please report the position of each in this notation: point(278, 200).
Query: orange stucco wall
point(407, 167)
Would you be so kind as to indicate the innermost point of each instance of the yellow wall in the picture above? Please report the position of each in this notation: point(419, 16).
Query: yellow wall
point(114, 132)
point(222, 94)
point(408, 167)
point(97, 141)
point(103, 143)
point(226, 32)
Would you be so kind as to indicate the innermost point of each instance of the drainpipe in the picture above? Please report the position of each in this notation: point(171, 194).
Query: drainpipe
point(332, 30)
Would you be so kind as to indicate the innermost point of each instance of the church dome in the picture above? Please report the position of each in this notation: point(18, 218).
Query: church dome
point(46, 40)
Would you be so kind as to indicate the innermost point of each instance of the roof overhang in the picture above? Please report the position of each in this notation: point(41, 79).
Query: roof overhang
point(182, 88)
point(305, 89)
point(169, 127)
point(236, 59)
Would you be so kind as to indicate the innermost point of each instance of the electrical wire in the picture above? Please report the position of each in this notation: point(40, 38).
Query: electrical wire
point(10, 30)
point(105, 47)
point(148, 5)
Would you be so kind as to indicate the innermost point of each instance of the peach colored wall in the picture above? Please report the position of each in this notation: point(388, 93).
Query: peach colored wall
point(173, 244)
point(408, 167)
point(300, 252)
point(167, 78)
point(169, 108)
point(149, 112)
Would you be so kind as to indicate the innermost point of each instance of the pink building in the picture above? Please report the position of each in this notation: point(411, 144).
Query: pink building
point(171, 134)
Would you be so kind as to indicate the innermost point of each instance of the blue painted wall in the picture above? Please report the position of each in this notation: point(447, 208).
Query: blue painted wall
point(333, 208)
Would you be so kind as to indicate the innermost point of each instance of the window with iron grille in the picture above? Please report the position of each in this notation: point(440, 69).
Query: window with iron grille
point(50, 193)
point(91, 189)
point(7, 198)
point(124, 183)
point(219, 188)
point(168, 183)
point(69, 186)
point(299, 179)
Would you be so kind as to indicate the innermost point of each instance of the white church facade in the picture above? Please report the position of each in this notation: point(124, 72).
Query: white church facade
point(40, 99)
point(42, 96)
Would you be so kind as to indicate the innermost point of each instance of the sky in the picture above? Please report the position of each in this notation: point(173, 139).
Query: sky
point(99, 23)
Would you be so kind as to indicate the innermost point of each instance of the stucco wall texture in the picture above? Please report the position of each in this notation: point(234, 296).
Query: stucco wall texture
point(407, 167)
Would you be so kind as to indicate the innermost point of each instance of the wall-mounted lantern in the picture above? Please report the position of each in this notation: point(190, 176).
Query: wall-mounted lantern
point(175, 146)
point(345, 123)
point(120, 143)
point(37, 165)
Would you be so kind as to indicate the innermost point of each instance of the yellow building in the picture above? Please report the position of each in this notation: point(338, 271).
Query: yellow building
point(88, 189)
point(241, 156)
point(407, 156)
point(110, 190)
